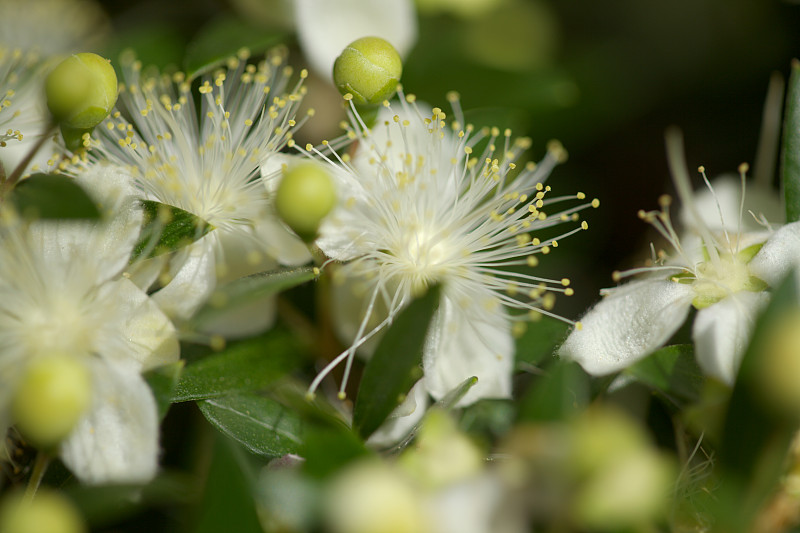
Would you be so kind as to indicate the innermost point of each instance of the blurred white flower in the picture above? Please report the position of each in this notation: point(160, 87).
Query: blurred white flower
point(418, 207)
point(61, 292)
point(723, 273)
point(325, 27)
point(210, 167)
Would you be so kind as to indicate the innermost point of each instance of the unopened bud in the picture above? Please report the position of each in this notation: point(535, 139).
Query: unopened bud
point(372, 497)
point(368, 68)
point(50, 399)
point(47, 512)
point(81, 90)
point(305, 195)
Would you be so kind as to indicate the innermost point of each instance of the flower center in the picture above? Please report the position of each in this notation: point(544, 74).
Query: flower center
point(715, 280)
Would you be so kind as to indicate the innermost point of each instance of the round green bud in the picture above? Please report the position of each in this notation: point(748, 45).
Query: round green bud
point(47, 511)
point(81, 90)
point(305, 195)
point(369, 68)
point(53, 394)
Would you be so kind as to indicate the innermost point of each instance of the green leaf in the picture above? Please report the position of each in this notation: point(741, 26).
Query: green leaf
point(395, 366)
point(790, 151)
point(53, 196)
point(262, 425)
point(167, 228)
point(246, 366)
point(560, 393)
point(162, 381)
point(756, 437)
point(539, 342)
point(223, 38)
point(451, 398)
point(250, 289)
point(228, 503)
point(672, 371)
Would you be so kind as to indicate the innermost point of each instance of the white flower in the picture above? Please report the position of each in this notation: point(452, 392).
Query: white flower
point(325, 27)
point(418, 207)
point(209, 166)
point(721, 273)
point(61, 292)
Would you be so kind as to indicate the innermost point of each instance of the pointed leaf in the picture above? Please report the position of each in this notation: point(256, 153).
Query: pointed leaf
point(52, 196)
point(246, 366)
point(327, 448)
point(672, 371)
point(162, 381)
point(251, 289)
point(262, 425)
point(539, 342)
point(756, 436)
point(790, 151)
point(394, 367)
point(167, 228)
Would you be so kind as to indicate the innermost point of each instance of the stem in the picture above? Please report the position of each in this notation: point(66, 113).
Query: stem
point(13, 178)
point(39, 468)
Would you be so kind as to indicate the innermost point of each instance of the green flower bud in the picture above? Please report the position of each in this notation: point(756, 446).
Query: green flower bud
point(50, 399)
point(305, 195)
point(369, 68)
point(81, 90)
point(47, 512)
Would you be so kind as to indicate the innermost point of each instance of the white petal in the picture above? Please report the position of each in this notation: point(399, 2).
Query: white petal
point(630, 322)
point(148, 335)
point(778, 255)
point(469, 339)
point(721, 333)
point(193, 282)
point(403, 419)
point(325, 27)
point(117, 440)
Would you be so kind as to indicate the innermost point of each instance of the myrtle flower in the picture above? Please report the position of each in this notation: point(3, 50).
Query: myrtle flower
point(326, 27)
point(62, 292)
point(723, 274)
point(420, 205)
point(207, 163)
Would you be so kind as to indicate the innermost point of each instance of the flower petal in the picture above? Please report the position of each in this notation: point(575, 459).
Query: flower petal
point(778, 255)
point(403, 419)
point(325, 27)
point(465, 340)
point(146, 335)
point(193, 282)
point(722, 332)
point(630, 322)
point(117, 440)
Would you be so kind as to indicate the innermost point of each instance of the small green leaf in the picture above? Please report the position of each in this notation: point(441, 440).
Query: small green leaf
point(539, 342)
point(53, 196)
point(223, 38)
point(328, 447)
point(452, 397)
point(672, 371)
point(394, 367)
point(560, 393)
point(250, 289)
point(790, 151)
point(246, 366)
point(162, 381)
point(167, 228)
point(262, 425)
